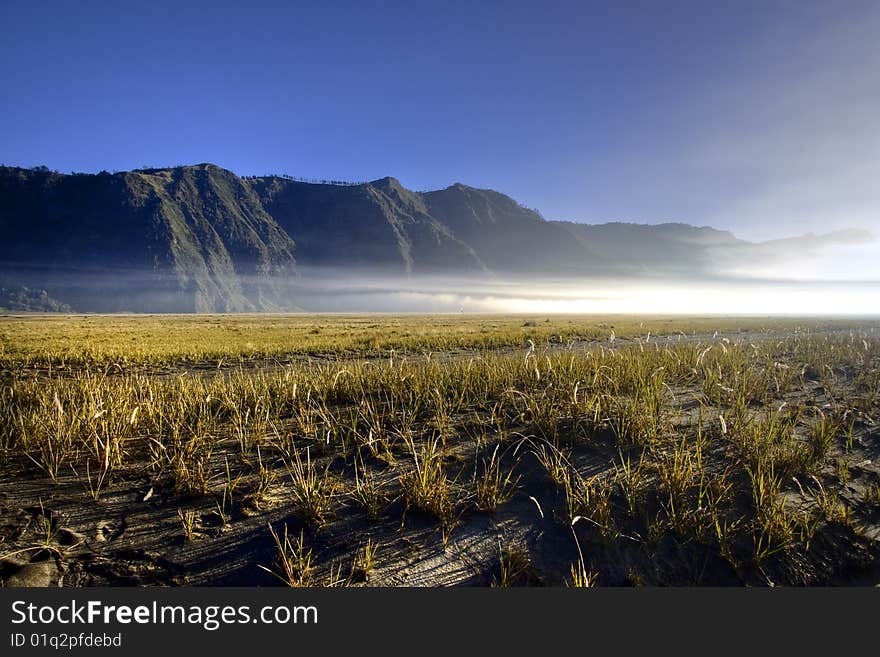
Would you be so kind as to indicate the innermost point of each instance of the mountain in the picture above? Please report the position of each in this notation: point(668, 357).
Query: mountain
point(378, 226)
point(201, 239)
point(651, 249)
point(508, 237)
point(184, 239)
point(25, 300)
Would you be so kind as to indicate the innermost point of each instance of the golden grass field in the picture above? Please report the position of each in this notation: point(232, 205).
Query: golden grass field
point(151, 339)
point(423, 450)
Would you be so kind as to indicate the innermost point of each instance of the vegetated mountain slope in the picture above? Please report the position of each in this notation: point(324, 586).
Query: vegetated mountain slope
point(199, 238)
point(508, 237)
point(183, 239)
point(23, 299)
point(640, 249)
point(682, 250)
point(379, 226)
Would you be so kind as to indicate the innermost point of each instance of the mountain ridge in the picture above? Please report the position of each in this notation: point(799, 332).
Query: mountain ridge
point(199, 238)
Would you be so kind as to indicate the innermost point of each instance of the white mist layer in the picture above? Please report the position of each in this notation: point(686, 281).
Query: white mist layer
point(743, 297)
point(774, 300)
point(834, 262)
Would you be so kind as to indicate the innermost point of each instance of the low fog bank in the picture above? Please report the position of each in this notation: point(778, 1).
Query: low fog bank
point(833, 274)
point(359, 290)
point(838, 256)
point(337, 292)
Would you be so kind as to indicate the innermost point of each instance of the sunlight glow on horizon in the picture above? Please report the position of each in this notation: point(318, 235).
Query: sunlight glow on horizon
point(607, 297)
point(684, 301)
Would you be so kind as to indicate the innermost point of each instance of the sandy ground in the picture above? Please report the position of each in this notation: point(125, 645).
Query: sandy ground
point(132, 535)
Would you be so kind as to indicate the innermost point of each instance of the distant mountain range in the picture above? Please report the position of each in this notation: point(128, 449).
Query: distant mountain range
point(202, 239)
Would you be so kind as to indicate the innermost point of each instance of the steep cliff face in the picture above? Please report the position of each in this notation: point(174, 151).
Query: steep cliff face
point(201, 239)
point(506, 236)
point(377, 226)
point(185, 239)
point(224, 249)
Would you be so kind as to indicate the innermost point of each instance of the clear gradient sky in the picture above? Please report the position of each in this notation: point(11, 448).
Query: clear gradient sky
point(760, 117)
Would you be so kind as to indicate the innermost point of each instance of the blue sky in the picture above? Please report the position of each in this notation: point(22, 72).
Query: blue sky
point(762, 117)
